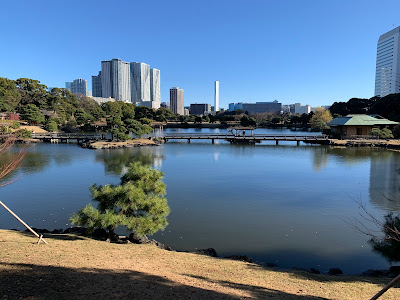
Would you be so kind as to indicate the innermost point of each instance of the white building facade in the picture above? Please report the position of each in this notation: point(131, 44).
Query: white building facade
point(387, 77)
point(176, 100)
point(301, 109)
point(116, 80)
point(155, 90)
point(216, 97)
point(140, 83)
point(131, 82)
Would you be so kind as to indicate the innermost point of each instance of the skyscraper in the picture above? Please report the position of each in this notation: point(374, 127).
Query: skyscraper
point(116, 80)
point(216, 97)
point(176, 100)
point(387, 78)
point(96, 85)
point(155, 94)
point(140, 82)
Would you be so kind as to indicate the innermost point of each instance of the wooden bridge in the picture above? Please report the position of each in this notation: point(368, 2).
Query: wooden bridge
point(247, 139)
point(67, 137)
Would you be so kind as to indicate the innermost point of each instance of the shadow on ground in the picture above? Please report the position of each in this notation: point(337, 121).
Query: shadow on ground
point(49, 282)
point(48, 236)
point(258, 292)
point(382, 281)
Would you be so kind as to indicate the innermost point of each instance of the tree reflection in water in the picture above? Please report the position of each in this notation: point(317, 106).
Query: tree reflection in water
point(116, 160)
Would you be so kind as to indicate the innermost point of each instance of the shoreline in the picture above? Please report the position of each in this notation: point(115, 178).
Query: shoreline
point(101, 236)
point(77, 267)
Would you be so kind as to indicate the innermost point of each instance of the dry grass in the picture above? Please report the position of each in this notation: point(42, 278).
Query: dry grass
point(35, 129)
point(72, 267)
point(375, 142)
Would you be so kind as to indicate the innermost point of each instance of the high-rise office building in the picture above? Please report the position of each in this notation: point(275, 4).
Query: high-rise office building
point(176, 100)
point(116, 80)
point(387, 78)
point(77, 87)
point(96, 85)
point(155, 93)
point(216, 97)
point(140, 82)
point(129, 82)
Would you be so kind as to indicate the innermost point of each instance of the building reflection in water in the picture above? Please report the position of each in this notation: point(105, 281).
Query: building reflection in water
point(384, 188)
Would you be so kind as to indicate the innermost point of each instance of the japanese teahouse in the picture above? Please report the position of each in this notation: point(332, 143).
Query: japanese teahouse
point(358, 125)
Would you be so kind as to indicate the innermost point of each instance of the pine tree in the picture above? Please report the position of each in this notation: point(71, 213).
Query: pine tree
point(138, 203)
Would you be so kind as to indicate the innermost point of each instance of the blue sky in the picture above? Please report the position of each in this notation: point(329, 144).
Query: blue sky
point(313, 52)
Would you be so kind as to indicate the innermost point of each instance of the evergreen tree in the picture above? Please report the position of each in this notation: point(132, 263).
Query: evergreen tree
point(32, 114)
point(138, 203)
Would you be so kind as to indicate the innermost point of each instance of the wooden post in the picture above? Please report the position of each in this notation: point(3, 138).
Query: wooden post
point(23, 223)
point(388, 286)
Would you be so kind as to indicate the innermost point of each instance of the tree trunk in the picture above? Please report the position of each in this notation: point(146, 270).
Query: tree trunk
point(111, 234)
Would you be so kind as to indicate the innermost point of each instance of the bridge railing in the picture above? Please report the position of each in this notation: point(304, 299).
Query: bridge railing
point(66, 135)
point(228, 135)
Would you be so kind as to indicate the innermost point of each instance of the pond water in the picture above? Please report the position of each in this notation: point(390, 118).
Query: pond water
point(285, 204)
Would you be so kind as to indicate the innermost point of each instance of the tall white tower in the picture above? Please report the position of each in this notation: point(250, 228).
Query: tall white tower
point(216, 97)
point(387, 79)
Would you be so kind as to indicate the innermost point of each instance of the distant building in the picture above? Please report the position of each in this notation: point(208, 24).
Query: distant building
point(131, 82)
point(165, 105)
point(77, 87)
point(96, 85)
point(216, 96)
point(301, 109)
point(235, 106)
point(140, 84)
point(101, 100)
point(68, 86)
point(257, 108)
point(199, 109)
point(9, 116)
point(116, 80)
point(176, 100)
point(155, 92)
point(186, 111)
point(387, 77)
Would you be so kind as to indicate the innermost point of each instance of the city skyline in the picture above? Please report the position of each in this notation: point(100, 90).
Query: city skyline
point(261, 50)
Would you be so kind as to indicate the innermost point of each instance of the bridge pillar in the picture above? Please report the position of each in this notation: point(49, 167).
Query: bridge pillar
point(213, 141)
point(277, 142)
point(298, 143)
point(188, 141)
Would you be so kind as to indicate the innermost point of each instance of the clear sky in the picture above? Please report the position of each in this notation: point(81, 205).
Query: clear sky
point(309, 51)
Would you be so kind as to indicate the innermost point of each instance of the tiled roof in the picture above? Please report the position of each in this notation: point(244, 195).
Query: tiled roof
point(360, 120)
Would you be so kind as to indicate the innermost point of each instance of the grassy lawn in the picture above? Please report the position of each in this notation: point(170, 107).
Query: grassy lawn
point(73, 267)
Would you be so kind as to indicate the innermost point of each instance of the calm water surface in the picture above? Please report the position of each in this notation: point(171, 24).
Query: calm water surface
point(284, 204)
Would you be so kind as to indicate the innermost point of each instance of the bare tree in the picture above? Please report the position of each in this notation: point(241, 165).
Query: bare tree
point(373, 226)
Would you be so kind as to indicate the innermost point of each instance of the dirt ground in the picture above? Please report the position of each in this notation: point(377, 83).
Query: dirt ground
point(105, 145)
point(73, 267)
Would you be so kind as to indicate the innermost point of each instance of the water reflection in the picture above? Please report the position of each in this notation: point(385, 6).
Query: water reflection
point(265, 201)
point(116, 160)
point(384, 186)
